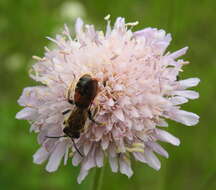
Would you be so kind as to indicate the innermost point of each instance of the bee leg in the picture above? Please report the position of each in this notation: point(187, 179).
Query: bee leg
point(71, 101)
point(68, 95)
point(54, 137)
point(74, 144)
point(66, 111)
point(92, 119)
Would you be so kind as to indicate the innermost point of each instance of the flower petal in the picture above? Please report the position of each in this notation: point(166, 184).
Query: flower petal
point(119, 114)
point(27, 114)
point(99, 157)
point(40, 156)
point(139, 156)
point(167, 137)
point(152, 160)
point(76, 159)
point(56, 156)
point(78, 25)
point(86, 147)
point(187, 118)
point(158, 149)
point(177, 100)
point(113, 163)
point(178, 53)
point(187, 94)
point(125, 167)
point(187, 83)
point(83, 173)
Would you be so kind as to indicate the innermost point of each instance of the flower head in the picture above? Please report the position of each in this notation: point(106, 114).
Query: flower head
point(138, 91)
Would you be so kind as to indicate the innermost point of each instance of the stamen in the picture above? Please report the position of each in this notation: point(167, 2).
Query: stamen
point(135, 149)
point(132, 23)
point(37, 58)
point(107, 17)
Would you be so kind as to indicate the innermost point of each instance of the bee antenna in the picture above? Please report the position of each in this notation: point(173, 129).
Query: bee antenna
point(74, 144)
point(56, 137)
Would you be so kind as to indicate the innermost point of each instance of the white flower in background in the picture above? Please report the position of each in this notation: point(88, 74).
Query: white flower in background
point(72, 9)
point(138, 90)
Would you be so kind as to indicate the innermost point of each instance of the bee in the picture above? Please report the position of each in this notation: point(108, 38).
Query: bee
point(85, 92)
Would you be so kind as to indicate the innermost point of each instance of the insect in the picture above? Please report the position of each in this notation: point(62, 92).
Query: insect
point(85, 91)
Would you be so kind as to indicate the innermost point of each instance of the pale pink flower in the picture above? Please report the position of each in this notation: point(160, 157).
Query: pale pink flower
point(138, 91)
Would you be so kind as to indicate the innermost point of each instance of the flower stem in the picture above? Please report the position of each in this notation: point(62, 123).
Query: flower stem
point(98, 178)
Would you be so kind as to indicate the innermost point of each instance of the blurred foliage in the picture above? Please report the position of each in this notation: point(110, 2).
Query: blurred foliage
point(24, 24)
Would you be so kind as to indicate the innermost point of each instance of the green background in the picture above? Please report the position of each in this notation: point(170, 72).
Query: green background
point(23, 27)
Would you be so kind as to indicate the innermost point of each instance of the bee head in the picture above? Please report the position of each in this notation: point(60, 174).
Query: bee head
point(70, 133)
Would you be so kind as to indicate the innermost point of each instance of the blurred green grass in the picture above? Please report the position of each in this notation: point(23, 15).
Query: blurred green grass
point(23, 27)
